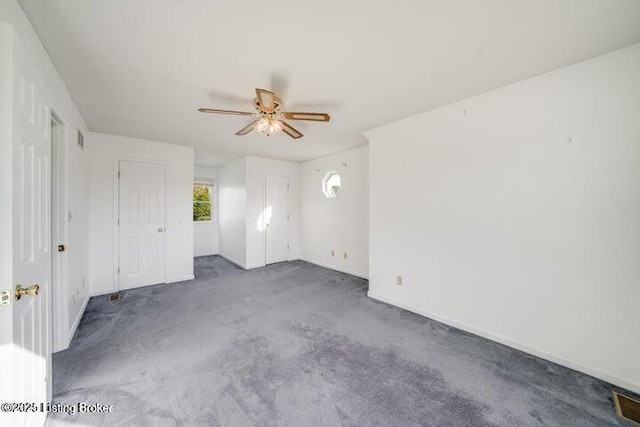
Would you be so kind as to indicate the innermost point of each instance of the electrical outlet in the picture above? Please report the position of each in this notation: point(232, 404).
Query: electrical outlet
point(345, 255)
point(399, 280)
point(333, 253)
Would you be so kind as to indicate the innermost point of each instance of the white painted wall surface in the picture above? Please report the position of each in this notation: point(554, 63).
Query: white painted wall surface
point(232, 206)
point(339, 224)
point(257, 169)
point(106, 150)
point(501, 226)
point(205, 233)
point(74, 292)
point(77, 243)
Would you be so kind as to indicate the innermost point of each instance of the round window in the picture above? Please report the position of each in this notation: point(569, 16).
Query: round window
point(331, 184)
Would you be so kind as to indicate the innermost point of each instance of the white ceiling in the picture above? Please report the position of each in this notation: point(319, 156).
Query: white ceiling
point(142, 68)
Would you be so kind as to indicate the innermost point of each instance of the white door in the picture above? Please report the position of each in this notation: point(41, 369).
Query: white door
point(27, 246)
point(141, 229)
point(277, 226)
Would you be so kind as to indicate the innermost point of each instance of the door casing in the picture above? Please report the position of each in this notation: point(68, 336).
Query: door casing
point(59, 261)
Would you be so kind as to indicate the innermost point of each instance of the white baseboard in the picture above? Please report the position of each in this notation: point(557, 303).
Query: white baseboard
point(230, 259)
point(336, 268)
point(251, 267)
point(206, 255)
point(612, 379)
point(181, 279)
point(76, 323)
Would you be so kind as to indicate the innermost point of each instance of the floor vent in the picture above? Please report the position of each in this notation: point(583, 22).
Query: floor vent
point(114, 297)
point(626, 407)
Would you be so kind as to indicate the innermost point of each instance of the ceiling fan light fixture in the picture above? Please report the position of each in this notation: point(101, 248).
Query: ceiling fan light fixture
point(275, 126)
point(268, 126)
point(269, 119)
point(262, 125)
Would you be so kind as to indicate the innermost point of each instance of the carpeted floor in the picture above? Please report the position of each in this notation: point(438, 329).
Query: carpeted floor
point(294, 344)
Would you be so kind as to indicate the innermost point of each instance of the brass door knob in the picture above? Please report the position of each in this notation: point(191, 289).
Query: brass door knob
point(32, 290)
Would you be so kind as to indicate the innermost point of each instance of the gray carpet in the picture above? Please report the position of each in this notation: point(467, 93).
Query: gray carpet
point(294, 344)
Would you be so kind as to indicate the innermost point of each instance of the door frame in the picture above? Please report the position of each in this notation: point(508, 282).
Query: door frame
point(59, 232)
point(264, 206)
point(116, 213)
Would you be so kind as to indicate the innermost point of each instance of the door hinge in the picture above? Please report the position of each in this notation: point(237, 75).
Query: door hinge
point(118, 174)
point(287, 186)
point(118, 221)
point(118, 270)
point(5, 298)
point(287, 247)
point(287, 216)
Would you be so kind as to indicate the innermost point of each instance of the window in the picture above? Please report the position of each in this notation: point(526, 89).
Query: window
point(202, 202)
point(331, 184)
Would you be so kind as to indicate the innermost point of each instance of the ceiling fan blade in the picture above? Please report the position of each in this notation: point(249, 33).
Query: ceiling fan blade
point(266, 99)
point(289, 130)
point(315, 117)
point(231, 112)
point(248, 128)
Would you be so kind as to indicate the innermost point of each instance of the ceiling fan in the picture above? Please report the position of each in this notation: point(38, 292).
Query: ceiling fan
point(269, 119)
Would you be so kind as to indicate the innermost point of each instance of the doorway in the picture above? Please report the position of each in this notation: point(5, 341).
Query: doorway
point(59, 262)
point(141, 224)
point(277, 227)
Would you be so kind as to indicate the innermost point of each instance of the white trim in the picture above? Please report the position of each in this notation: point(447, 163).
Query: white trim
point(232, 260)
point(204, 181)
point(59, 230)
point(74, 327)
point(113, 290)
point(251, 267)
point(336, 268)
point(181, 279)
point(612, 379)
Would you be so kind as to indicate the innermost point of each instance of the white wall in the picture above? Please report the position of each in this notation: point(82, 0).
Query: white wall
point(205, 233)
point(77, 242)
point(257, 169)
point(339, 224)
point(106, 150)
point(501, 226)
point(72, 294)
point(232, 206)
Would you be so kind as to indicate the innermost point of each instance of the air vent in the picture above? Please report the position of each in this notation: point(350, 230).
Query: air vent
point(80, 140)
point(626, 407)
point(114, 297)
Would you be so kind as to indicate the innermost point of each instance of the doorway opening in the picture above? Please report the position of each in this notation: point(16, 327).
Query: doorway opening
point(58, 230)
